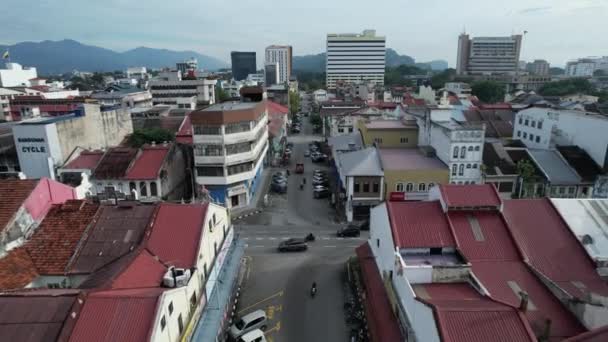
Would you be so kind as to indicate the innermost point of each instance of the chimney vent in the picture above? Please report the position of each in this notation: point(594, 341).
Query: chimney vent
point(523, 305)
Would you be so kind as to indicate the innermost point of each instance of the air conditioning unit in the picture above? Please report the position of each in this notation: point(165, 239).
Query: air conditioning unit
point(176, 277)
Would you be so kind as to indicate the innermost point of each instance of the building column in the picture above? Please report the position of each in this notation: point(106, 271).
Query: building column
point(159, 189)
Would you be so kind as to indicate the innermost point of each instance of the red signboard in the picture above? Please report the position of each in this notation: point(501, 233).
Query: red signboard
point(397, 196)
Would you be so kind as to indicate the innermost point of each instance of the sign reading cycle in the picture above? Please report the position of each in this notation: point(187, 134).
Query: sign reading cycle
point(32, 149)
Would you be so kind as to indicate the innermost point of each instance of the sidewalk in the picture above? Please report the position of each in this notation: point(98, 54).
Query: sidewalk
point(257, 201)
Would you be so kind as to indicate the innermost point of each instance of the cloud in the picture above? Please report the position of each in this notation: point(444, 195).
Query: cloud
point(535, 10)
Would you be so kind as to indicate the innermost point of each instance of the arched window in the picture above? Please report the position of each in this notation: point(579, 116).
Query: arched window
point(468, 166)
point(409, 187)
point(461, 170)
point(132, 186)
point(143, 190)
point(399, 187)
point(422, 187)
point(476, 148)
point(463, 152)
point(455, 152)
point(470, 148)
point(153, 189)
point(454, 169)
point(431, 185)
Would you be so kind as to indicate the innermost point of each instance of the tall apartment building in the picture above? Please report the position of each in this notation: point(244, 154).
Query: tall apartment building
point(283, 55)
point(538, 67)
point(230, 143)
point(243, 64)
point(488, 55)
point(272, 74)
point(355, 57)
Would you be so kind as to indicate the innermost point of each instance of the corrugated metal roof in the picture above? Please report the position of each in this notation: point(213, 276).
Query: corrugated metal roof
point(87, 160)
point(563, 260)
point(176, 233)
point(596, 335)
point(117, 231)
point(483, 236)
point(148, 162)
point(382, 323)
point(419, 224)
point(144, 271)
point(588, 221)
point(465, 315)
point(409, 159)
point(115, 163)
point(32, 317)
point(502, 278)
point(364, 162)
point(479, 195)
point(118, 315)
point(555, 167)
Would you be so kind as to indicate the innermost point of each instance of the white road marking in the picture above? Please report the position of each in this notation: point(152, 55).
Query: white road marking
point(259, 238)
point(246, 238)
point(330, 246)
point(325, 238)
point(272, 238)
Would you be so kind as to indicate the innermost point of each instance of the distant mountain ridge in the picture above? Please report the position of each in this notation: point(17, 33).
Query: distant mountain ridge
point(54, 57)
point(316, 63)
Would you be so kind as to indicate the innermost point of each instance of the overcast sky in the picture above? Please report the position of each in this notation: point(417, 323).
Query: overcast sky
point(558, 30)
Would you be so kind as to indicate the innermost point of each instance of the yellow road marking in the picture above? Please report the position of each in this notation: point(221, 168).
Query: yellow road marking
point(278, 294)
point(276, 328)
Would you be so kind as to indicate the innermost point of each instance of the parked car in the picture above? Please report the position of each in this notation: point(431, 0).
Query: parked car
point(320, 193)
point(293, 245)
point(306, 153)
point(323, 183)
point(361, 225)
point(349, 231)
point(280, 188)
point(247, 323)
point(256, 335)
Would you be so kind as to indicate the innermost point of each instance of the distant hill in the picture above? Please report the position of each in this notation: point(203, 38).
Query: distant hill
point(437, 65)
point(316, 63)
point(54, 57)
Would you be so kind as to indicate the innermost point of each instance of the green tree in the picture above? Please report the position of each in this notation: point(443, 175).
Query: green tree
point(294, 102)
point(438, 80)
point(600, 73)
point(315, 119)
point(568, 86)
point(149, 135)
point(526, 171)
point(488, 91)
point(221, 95)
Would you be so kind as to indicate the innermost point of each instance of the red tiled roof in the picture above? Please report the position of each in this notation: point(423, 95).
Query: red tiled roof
point(176, 233)
point(117, 315)
point(13, 193)
point(16, 270)
point(483, 236)
point(469, 195)
point(464, 315)
point(184, 135)
point(419, 224)
point(381, 321)
point(596, 335)
point(275, 108)
point(149, 162)
point(87, 160)
point(54, 242)
point(144, 271)
point(564, 260)
point(502, 278)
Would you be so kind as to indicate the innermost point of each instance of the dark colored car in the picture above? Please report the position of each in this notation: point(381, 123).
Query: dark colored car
point(361, 225)
point(280, 188)
point(320, 193)
point(323, 183)
point(293, 245)
point(349, 231)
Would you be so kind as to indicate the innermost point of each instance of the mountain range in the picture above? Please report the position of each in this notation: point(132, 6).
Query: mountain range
point(316, 63)
point(55, 57)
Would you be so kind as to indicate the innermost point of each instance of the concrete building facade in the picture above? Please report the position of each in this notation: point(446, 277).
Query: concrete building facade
point(169, 87)
point(355, 57)
point(283, 56)
point(488, 55)
point(230, 145)
point(16, 76)
point(271, 74)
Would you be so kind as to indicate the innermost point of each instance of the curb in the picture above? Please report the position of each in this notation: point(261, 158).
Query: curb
point(240, 217)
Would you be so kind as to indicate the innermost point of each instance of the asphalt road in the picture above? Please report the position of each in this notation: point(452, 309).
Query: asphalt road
point(280, 282)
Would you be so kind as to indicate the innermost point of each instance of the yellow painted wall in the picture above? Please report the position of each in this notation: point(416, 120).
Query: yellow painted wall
point(392, 177)
point(390, 137)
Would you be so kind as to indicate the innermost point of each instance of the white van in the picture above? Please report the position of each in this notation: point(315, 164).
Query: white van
point(247, 323)
point(256, 335)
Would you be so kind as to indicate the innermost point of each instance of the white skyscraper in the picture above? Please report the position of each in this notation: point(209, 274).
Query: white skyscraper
point(355, 57)
point(488, 55)
point(281, 54)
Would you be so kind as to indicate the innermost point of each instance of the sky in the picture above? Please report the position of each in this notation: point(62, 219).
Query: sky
point(558, 30)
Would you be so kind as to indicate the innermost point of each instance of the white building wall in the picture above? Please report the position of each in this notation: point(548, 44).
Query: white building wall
point(37, 145)
point(563, 127)
point(15, 75)
point(381, 238)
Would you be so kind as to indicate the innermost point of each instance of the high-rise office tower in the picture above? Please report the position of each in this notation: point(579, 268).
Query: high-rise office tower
point(243, 64)
point(283, 55)
point(355, 58)
point(271, 74)
point(488, 55)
